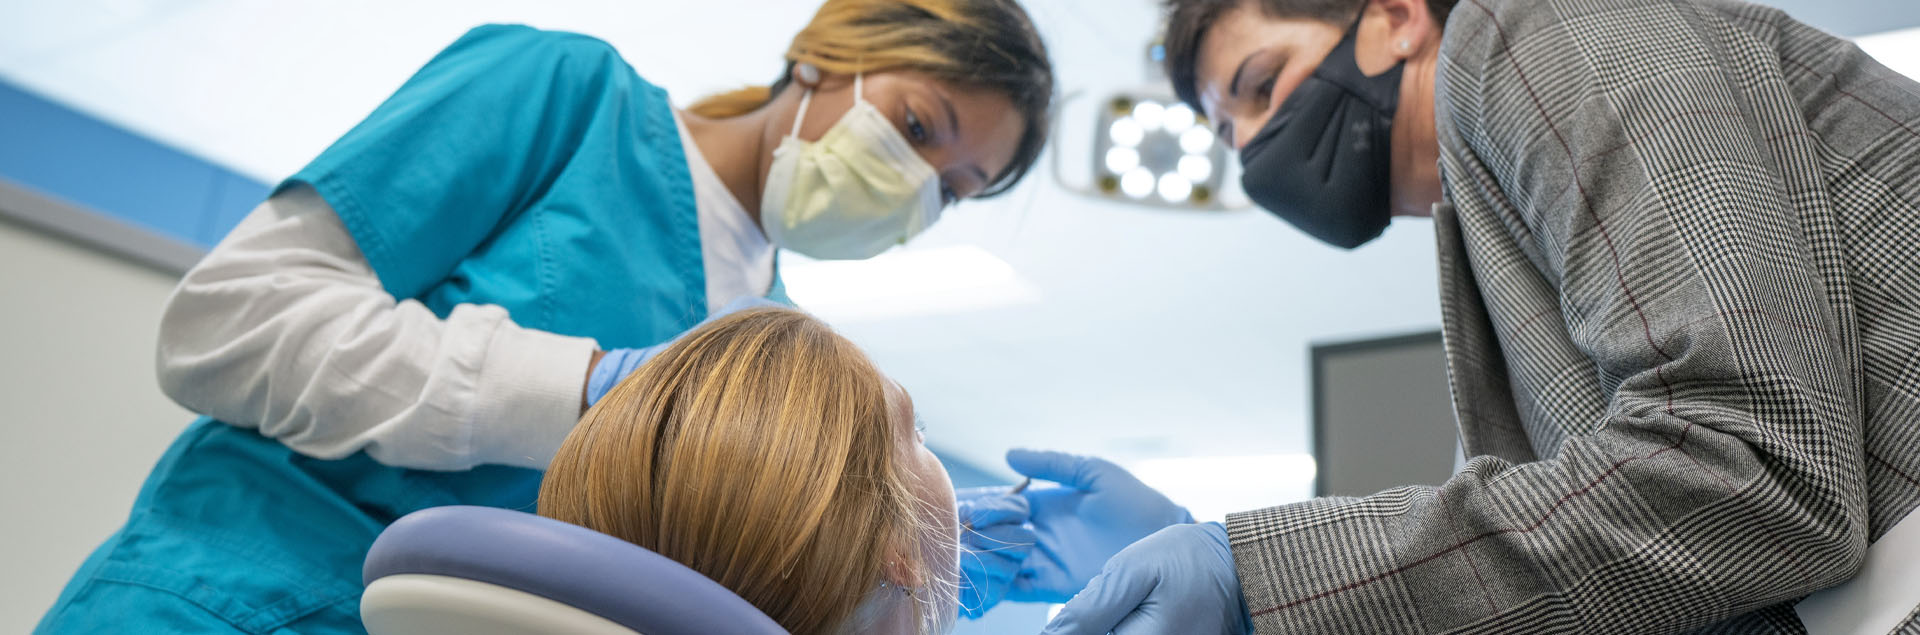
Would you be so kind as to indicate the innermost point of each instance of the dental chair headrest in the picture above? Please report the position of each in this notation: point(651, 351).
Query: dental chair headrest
point(480, 569)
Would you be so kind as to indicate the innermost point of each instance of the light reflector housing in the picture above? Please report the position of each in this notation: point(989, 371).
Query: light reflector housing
point(1157, 151)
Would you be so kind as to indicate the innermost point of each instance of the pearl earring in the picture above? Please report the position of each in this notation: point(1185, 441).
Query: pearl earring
point(1405, 46)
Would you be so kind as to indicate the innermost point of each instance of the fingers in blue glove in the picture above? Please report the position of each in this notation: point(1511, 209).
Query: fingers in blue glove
point(987, 573)
point(1011, 542)
point(1071, 470)
point(1100, 510)
point(1180, 579)
point(1109, 600)
point(978, 510)
point(995, 541)
point(1044, 577)
point(1005, 545)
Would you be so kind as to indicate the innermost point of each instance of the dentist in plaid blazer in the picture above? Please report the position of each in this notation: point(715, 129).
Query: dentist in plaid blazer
point(1680, 271)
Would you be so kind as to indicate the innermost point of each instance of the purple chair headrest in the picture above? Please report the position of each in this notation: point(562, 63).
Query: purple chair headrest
point(573, 565)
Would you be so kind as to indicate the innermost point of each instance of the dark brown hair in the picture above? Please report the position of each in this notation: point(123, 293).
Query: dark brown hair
point(1188, 22)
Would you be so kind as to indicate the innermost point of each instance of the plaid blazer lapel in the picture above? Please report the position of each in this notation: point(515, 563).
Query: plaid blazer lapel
point(1483, 404)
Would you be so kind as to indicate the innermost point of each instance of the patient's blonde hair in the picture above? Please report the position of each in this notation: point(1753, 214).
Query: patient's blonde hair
point(758, 450)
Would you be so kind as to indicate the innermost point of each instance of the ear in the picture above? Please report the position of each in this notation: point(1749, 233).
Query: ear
point(806, 75)
point(1409, 27)
point(901, 571)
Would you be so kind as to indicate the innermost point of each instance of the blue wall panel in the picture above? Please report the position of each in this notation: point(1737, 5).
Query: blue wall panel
point(232, 197)
point(73, 156)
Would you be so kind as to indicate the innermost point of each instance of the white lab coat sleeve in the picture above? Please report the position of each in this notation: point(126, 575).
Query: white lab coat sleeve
point(286, 329)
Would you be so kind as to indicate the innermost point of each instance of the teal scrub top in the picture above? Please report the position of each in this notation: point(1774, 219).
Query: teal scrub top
point(528, 169)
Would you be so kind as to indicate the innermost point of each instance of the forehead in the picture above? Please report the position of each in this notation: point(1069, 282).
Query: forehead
point(898, 403)
point(1239, 32)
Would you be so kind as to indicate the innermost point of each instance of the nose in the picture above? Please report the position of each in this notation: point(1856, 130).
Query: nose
point(1244, 128)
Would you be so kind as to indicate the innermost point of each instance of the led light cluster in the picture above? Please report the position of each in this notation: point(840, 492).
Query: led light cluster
point(1156, 151)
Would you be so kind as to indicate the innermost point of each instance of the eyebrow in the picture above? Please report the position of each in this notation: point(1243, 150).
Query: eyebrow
point(953, 117)
point(1233, 89)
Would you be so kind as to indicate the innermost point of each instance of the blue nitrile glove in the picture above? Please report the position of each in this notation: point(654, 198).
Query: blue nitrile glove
point(1178, 580)
point(992, 550)
point(620, 362)
point(1099, 510)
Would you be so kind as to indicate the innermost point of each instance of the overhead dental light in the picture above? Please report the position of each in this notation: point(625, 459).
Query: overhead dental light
point(1157, 151)
point(1148, 148)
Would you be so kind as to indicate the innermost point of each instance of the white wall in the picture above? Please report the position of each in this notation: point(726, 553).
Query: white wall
point(84, 419)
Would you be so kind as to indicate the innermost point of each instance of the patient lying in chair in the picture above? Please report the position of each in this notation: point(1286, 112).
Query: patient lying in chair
point(768, 453)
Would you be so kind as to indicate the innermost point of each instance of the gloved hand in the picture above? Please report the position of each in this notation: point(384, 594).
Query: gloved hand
point(620, 362)
point(615, 366)
point(1179, 580)
point(1099, 510)
point(994, 540)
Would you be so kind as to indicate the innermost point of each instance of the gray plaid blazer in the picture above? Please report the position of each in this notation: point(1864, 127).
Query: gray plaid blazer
point(1681, 295)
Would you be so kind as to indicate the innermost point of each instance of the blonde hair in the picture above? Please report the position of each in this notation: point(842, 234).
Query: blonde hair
point(759, 451)
point(989, 44)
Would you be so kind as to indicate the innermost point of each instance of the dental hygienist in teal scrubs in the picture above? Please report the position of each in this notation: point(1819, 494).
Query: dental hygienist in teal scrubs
point(419, 316)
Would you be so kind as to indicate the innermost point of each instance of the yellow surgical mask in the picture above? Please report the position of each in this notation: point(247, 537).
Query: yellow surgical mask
point(856, 192)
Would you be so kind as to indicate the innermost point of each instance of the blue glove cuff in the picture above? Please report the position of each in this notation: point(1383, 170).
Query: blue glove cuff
point(612, 368)
point(620, 362)
point(1223, 546)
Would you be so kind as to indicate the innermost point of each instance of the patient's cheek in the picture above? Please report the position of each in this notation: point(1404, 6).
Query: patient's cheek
point(933, 488)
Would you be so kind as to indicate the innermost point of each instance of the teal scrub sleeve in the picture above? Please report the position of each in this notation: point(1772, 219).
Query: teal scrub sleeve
point(474, 138)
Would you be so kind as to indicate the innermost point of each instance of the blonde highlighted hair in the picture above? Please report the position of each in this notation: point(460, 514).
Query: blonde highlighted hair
point(986, 44)
point(759, 451)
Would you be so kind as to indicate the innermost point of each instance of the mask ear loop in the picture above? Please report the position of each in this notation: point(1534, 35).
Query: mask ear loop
point(805, 100)
point(859, 98)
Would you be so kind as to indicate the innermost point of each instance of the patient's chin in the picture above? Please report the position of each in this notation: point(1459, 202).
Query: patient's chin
point(885, 610)
point(919, 611)
point(939, 597)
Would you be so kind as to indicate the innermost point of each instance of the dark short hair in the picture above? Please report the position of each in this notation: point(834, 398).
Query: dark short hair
point(1007, 55)
point(1188, 22)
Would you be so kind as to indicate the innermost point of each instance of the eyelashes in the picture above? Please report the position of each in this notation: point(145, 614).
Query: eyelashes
point(918, 133)
point(915, 130)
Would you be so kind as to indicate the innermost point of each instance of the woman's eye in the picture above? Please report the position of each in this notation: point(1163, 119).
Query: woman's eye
point(947, 195)
point(915, 130)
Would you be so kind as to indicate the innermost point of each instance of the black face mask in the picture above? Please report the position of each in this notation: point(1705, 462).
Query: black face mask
point(1321, 163)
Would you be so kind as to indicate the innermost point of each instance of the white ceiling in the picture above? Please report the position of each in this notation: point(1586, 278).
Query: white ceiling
point(1156, 334)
